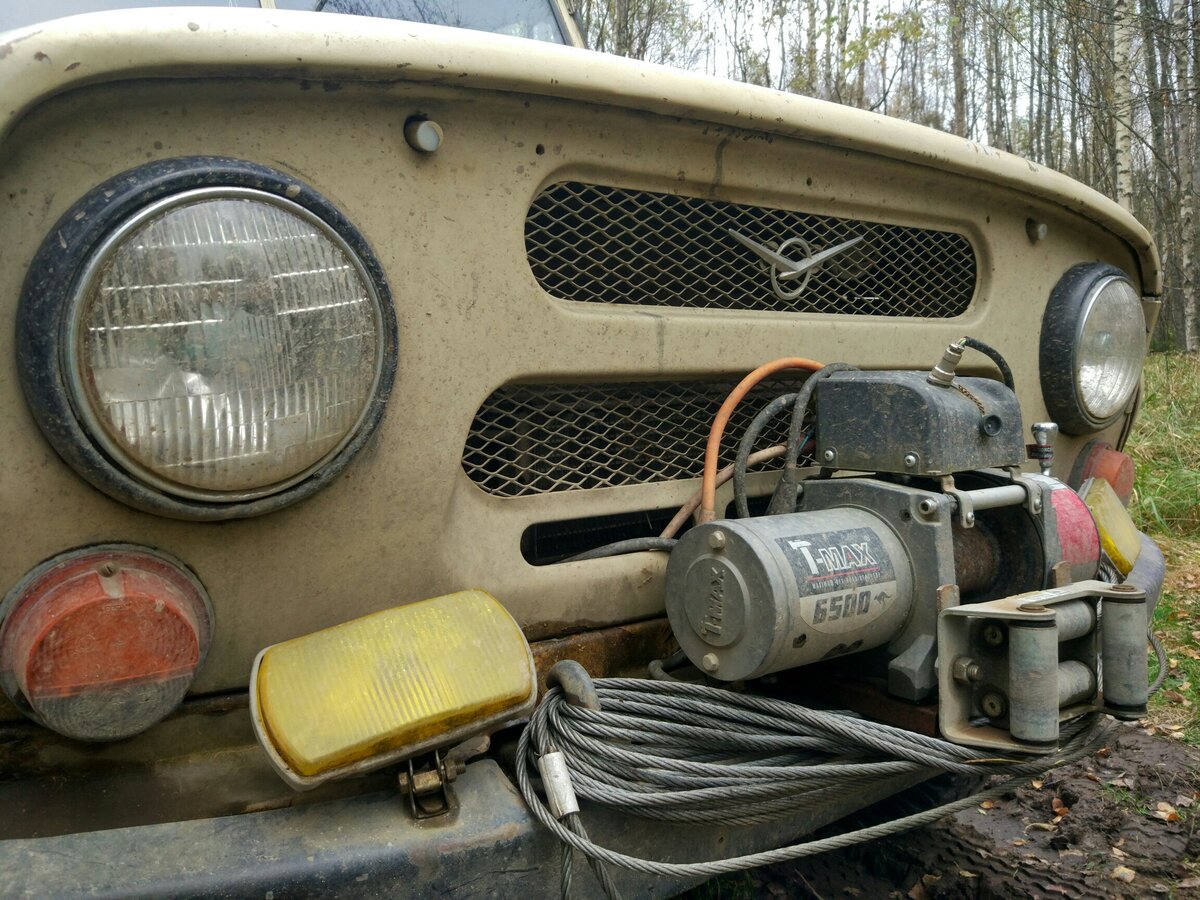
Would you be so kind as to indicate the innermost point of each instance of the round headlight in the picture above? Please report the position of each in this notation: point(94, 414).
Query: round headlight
point(225, 342)
point(1093, 347)
point(221, 348)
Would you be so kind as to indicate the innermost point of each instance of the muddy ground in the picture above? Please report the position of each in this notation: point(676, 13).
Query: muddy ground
point(1124, 822)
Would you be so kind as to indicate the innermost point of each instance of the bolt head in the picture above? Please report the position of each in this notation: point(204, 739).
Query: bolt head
point(960, 667)
point(993, 634)
point(910, 460)
point(717, 540)
point(993, 704)
point(829, 455)
point(710, 663)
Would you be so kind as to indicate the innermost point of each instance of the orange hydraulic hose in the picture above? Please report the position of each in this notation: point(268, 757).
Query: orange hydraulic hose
point(708, 487)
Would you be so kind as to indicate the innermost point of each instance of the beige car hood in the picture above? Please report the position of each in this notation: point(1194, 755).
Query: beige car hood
point(56, 56)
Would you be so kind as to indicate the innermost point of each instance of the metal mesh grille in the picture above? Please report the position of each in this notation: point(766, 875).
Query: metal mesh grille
point(600, 244)
point(536, 439)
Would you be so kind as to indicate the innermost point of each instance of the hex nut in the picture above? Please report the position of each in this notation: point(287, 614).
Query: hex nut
point(965, 670)
point(716, 540)
point(710, 663)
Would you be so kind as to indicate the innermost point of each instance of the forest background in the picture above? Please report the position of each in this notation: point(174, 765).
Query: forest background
point(1106, 91)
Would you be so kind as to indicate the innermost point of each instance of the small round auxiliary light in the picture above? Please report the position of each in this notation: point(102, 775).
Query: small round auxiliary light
point(1093, 345)
point(101, 643)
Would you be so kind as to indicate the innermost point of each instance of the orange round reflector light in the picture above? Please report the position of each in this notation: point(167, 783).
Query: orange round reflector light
point(1113, 466)
point(101, 643)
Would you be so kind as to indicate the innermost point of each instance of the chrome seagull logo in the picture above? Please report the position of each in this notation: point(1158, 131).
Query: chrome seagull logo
point(784, 269)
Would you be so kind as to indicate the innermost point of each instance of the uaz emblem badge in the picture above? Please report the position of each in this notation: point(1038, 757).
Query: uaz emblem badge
point(784, 270)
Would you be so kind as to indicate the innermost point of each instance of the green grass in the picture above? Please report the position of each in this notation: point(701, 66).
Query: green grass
point(1125, 798)
point(1165, 446)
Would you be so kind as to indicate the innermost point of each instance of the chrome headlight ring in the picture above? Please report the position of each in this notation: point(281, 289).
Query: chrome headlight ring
point(1093, 347)
point(68, 400)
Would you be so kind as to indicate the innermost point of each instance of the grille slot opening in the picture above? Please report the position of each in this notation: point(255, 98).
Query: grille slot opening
point(598, 244)
point(547, 543)
point(530, 439)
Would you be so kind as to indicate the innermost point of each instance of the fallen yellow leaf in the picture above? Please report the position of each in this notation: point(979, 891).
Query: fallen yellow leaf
point(1122, 873)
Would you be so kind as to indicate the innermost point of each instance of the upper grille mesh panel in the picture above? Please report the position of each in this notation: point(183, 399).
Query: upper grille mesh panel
point(536, 439)
point(600, 244)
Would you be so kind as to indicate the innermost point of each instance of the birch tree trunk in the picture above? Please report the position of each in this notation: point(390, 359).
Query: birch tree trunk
point(810, 50)
point(1186, 148)
point(1122, 109)
point(958, 14)
point(1187, 174)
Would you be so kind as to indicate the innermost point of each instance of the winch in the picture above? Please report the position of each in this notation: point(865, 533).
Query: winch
point(929, 515)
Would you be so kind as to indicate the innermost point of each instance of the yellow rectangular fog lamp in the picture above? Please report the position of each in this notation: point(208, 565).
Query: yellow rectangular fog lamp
point(1118, 535)
point(389, 686)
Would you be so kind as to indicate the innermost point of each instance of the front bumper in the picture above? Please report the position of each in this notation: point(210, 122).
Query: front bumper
point(490, 846)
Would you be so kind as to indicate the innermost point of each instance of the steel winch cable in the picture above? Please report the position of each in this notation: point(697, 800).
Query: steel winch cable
point(681, 752)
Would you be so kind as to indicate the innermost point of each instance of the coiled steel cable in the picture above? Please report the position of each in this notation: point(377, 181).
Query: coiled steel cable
point(1160, 655)
point(681, 752)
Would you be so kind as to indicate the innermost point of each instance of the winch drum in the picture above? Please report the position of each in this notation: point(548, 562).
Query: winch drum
point(753, 596)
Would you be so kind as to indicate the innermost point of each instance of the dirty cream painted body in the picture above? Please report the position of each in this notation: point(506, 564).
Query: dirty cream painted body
point(324, 99)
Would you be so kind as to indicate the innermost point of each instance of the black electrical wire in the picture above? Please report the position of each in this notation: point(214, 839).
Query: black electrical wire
point(784, 498)
point(746, 446)
point(796, 431)
point(994, 355)
point(659, 668)
point(632, 545)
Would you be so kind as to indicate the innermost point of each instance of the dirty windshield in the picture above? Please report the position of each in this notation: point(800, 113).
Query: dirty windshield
point(520, 18)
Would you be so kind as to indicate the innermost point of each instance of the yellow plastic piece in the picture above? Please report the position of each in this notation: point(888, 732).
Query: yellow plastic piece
point(1118, 535)
point(393, 681)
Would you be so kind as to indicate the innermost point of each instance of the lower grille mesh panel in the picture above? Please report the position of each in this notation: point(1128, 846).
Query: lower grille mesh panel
point(537, 439)
point(598, 244)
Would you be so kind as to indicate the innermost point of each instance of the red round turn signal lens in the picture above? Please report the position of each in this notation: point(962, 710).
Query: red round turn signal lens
point(99, 644)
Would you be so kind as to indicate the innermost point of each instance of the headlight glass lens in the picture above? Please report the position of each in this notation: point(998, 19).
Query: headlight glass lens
point(227, 343)
point(1111, 348)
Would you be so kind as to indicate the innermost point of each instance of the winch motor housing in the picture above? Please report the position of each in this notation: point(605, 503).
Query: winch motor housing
point(933, 518)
